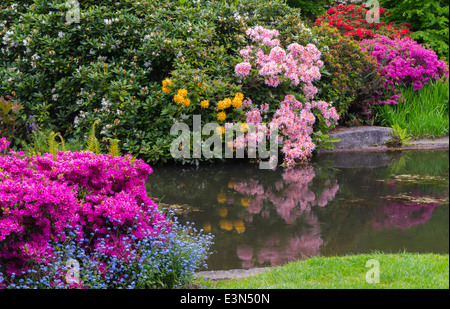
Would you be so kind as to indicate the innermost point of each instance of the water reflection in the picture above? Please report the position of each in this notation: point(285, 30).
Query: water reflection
point(291, 196)
point(266, 218)
point(400, 216)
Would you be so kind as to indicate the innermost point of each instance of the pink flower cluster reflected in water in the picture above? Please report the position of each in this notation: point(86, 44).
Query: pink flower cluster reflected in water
point(401, 216)
point(413, 209)
point(294, 198)
point(277, 251)
point(291, 197)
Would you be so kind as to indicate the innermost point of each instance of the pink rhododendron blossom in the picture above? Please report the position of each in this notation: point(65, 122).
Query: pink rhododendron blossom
point(310, 90)
point(294, 121)
point(277, 54)
point(243, 69)
point(264, 108)
point(298, 63)
point(262, 35)
point(297, 67)
point(253, 116)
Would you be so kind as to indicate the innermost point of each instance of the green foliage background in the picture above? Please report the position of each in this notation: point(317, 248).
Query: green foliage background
point(109, 66)
point(428, 19)
point(119, 52)
point(310, 9)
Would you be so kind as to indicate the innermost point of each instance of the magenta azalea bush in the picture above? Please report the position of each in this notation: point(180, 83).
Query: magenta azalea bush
point(4, 143)
point(404, 62)
point(99, 200)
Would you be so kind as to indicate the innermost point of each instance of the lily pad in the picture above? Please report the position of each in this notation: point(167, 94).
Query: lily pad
point(414, 200)
point(179, 208)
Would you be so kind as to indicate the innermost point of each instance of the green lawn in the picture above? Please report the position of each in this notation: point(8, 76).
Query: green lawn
point(396, 271)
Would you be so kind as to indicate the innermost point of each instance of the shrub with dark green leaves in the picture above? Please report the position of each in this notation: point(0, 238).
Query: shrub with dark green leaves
point(349, 77)
point(110, 64)
point(310, 8)
point(352, 80)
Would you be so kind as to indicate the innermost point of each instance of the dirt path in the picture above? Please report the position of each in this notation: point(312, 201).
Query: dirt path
point(230, 274)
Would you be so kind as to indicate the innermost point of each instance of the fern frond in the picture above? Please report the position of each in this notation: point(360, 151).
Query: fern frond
point(114, 147)
point(92, 143)
point(96, 146)
point(53, 146)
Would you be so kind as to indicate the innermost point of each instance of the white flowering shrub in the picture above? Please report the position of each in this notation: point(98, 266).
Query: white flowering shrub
point(109, 62)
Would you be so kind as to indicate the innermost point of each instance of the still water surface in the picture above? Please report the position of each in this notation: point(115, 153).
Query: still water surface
point(339, 204)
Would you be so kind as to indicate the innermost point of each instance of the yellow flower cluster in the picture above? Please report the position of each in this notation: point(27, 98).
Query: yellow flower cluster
point(204, 103)
point(236, 102)
point(224, 104)
point(225, 223)
point(180, 97)
point(220, 130)
point(182, 92)
point(207, 227)
point(167, 83)
point(244, 127)
point(245, 201)
point(221, 116)
point(228, 225)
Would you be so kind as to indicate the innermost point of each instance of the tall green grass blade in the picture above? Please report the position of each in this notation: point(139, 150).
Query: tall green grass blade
point(424, 113)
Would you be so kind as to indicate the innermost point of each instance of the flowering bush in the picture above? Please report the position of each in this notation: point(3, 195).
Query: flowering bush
point(351, 20)
point(163, 261)
point(404, 62)
point(101, 199)
point(351, 76)
point(276, 65)
point(296, 128)
point(4, 144)
point(294, 121)
point(109, 66)
point(297, 66)
point(207, 72)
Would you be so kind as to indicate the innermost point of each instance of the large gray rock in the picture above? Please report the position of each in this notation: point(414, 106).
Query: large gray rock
point(361, 137)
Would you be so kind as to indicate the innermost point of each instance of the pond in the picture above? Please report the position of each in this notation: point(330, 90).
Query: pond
point(338, 204)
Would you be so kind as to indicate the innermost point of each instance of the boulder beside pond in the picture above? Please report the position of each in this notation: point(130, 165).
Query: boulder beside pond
point(361, 137)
